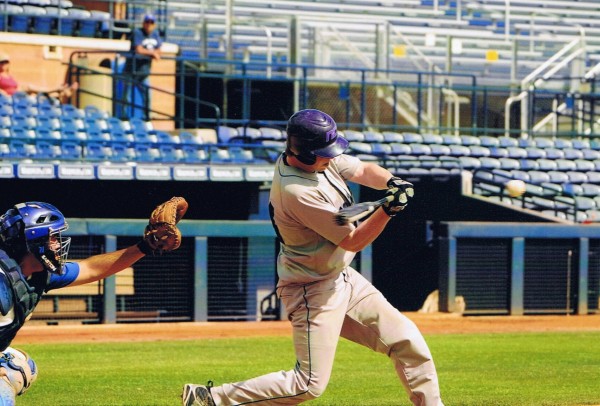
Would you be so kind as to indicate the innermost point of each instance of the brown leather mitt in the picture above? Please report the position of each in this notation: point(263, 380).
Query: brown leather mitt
point(161, 233)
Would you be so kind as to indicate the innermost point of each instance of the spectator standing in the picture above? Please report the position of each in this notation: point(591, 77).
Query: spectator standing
point(145, 48)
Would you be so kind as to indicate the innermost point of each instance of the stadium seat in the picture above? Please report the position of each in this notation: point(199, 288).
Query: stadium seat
point(5, 122)
point(590, 154)
point(71, 112)
point(547, 164)
point(71, 150)
point(577, 177)
point(558, 177)
point(469, 140)
point(412, 138)
point(169, 153)
point(467, 162)
point(22, 133)
point(47, 150)
point(584, 165)
point(122, 152)
point(498, 152)
point(21, 149)
point(520, 175)
point(490, 163)
point(96, 151)
point(439, 150)
point(392, 136)
point(25, 122)
point(593, 177)
point(528, 164)
point(225, 134)
point(269, 133)
point(240, 155)
point(189, 138)
point(488, 141)
point(478, 151)
point(93, 112)
point(516, 152)
point(459, 150)
point(97, 129)
point(194, 153)
point(506, 142)
point(554, 153)
point(48, 123)
point(432, 139)
point(146, 153)
point(581, 143)
point(508, 164)
point(565, 165)
point(535, 152)
point(249, 133)
point(163, 138)
point(590, 189)
point(381, 149)
point(373, 136)
point(354, 136)
point(562, 143)
point(526, 142)
point(544, 143)
point(361, 147)
point(538, 177)
point(420, 149)
point(399, 149)
point(572, 153)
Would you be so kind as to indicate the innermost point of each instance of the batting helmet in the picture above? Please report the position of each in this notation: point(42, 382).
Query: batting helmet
point(36, 227)
point(312, 133)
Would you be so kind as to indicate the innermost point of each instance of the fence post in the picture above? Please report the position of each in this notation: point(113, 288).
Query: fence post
point(109, 296)
point(517, 276)
point(582, 286)
point(200, 303)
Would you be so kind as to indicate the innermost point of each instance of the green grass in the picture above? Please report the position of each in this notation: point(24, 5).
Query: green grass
point(478, 369)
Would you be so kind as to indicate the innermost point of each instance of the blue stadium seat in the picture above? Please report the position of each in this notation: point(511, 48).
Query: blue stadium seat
point(5, 122)
point(226, 134)
point(562, 143)
point(70, 111)
point(44, 133)
point(269, 133)
point(577, 177)
point(469, 162)
point(469, 140)
point(593, 177)
point(49, 110)
point(558, 177)
point(6, 110)
point(506, 142)
point(189, 138)
point(71, 150)
point(498, 152)
point(520, 175)
point(139, 126)
point(5, 133)
point(97, 129)
point(163, 137)
point(526, 142)
point(488, 141)
point(459, 150)
point(47, 150)
point(412, 138)
point(381, 149)
point(21, 149)
point(120, 131)
point(490, 163)
point(194, 153)
point(219, 155)
point(96, 151)
point(516, 152)
point(590, 154)
point(419, 149)
point(509, 164)
point(544, 143)
point(4, 150)
point(538, 177)
point(48, 123)
point(373, 136)
point(478, 151)
point(535, 152)
point(590, 189)
point(146, 153)
point(547, 164)
point(528, 164)
point(249, 132)
point(581, 143)
point(26, 122)
point(240, 155)
point(122, 152)
point(170, 153)
point(400, 149)
point(93, 112)
point(439, 150)
point(22, 133)
point(565, 165)
point(584, 165)
point(392, 136)
point(432, 139)
point(354, 136)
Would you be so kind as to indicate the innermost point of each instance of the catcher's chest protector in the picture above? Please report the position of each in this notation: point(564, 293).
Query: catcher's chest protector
point(25, 296)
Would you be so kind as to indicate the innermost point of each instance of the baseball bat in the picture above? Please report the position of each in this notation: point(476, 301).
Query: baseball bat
point(358, 211)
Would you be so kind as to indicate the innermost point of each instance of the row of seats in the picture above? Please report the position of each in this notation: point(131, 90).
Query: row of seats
point(54, 20)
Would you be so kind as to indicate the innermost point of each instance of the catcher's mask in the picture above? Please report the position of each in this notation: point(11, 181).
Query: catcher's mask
point(312, 133)
point(36, 227)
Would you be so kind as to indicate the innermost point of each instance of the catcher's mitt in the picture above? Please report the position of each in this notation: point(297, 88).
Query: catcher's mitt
point(161, 233)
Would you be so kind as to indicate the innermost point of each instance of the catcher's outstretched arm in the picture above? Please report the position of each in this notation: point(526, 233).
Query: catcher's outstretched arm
point(103, 265)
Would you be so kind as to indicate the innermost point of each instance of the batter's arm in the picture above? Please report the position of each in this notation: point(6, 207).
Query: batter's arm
point(366, 232)
point(103, 265)
point(371, 175)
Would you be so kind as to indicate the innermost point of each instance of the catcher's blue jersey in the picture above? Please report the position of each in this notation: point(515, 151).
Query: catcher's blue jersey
point(60, 281)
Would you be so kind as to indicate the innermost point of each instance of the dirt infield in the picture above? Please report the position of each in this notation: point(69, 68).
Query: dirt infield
point(437, 323)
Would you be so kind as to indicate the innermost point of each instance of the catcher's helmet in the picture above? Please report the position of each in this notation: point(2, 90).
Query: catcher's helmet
point(312, 133)
point(36, 227)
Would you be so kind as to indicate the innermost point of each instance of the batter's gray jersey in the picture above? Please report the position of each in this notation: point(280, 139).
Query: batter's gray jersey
point(302, 209)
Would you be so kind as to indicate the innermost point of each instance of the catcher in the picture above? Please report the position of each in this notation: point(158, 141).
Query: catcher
point(33, 260)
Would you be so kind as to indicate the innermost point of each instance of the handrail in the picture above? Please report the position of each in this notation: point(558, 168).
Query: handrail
point(507, 105)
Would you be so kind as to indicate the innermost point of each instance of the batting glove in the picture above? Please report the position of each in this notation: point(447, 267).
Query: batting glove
point(402, 191)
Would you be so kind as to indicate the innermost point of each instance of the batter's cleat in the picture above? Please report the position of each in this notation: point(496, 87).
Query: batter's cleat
point(197, 395)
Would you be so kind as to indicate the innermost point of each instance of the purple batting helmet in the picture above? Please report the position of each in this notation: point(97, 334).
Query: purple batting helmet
point(312, 133)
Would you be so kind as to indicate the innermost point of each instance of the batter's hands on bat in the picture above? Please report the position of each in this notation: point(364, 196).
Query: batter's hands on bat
point(402, 192)
point(161, 234)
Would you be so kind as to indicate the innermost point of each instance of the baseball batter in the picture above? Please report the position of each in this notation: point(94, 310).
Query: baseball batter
point(324, 297)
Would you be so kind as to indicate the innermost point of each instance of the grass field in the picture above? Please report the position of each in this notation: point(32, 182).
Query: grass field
point(475, 369)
